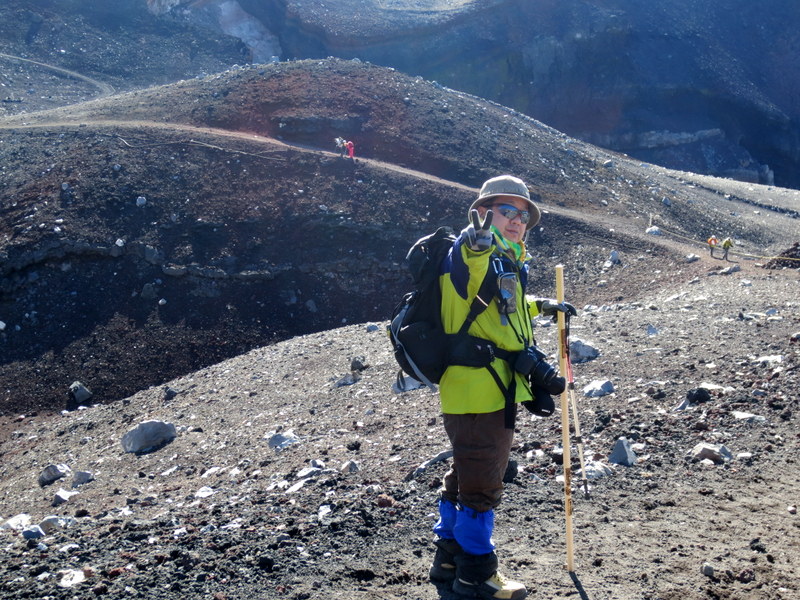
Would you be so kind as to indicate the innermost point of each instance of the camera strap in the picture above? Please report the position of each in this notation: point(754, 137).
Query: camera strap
point(509, 394)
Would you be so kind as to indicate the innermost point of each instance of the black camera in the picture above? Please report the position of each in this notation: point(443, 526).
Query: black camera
point(532, 362)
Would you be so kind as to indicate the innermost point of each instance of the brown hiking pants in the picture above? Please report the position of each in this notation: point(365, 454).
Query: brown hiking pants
point(481, 446)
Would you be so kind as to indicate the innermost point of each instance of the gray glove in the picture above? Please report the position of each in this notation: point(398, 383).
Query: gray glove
point(551, 308)
point(478, 236)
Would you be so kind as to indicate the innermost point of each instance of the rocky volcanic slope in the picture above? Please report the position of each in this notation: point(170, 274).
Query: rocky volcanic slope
point(247, 239)
point(178, 199)
point(298, 473)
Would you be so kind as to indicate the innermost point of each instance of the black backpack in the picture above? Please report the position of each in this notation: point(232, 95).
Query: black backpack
point(421, 347)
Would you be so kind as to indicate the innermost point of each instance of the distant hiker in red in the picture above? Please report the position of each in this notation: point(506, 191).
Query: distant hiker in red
point(351, 149)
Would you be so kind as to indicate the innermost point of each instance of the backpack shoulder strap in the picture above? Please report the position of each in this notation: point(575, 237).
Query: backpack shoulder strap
point(481, 301)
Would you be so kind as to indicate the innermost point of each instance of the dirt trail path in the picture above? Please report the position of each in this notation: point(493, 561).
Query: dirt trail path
point(597, 219)
point(105, 89)
point(619, 224)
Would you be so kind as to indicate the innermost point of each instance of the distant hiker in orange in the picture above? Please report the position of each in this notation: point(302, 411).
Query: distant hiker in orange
point(351, 149)
point(727, 244)
point(712, 243)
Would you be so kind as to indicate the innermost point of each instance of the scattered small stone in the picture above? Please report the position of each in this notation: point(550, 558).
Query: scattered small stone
point(148, 436)
point(714, 453)
point(53, 473)
point(581, 351)
point(33, 532)
point(623, 454)
point(385, 501)
point(78, 395)
point(746, 576)
point(598, 388)
point(350, 466)
point(81, 478)
point(63, 496)
point(280, 441)
point(17, 523)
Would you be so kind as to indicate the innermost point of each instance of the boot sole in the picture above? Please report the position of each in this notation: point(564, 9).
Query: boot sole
point(472, 591)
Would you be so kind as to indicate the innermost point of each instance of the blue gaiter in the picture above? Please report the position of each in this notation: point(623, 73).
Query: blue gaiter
point(447, 520)
point(473, 531)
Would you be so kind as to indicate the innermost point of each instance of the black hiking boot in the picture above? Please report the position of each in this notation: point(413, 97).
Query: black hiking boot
point(443, 568)
point(477, 577)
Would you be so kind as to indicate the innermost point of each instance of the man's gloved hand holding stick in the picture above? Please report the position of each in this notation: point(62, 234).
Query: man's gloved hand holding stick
point(551, 308)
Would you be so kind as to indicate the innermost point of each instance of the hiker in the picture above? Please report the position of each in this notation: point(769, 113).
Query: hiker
point(478, 415)
point(341, 145)
point(727, 244)
point(351, 150)
point(712, 243)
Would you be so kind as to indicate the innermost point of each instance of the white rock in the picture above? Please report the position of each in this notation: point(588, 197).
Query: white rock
point(581, 351)
point(308, 472)
point(70, 578)
point(298, 485)
point(280, 441)
point(205, 492)
point(17, 523)
point(596, 469)
point(622, 454)
point(598, 388)
point(749, 417)
point(81, 478)
point(33, 532)
point(53, 473)
point(80, 392)
point(716, 454)
point(148, 436)
point(713, 387)
point(324, 511)
point(768, 361)
point(350, 466)
point(53, 523)
point(62, 496)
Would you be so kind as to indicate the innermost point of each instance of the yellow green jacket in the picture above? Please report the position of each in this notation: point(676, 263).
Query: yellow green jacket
point(465, 390)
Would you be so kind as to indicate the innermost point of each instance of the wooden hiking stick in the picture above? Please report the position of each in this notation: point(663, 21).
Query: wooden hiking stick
point(565, 442)
point(576, 423)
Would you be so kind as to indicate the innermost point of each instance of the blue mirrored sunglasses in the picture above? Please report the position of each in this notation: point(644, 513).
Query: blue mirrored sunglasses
point(511, 212)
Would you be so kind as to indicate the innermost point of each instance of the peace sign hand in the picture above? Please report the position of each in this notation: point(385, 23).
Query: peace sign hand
point(477, 235)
